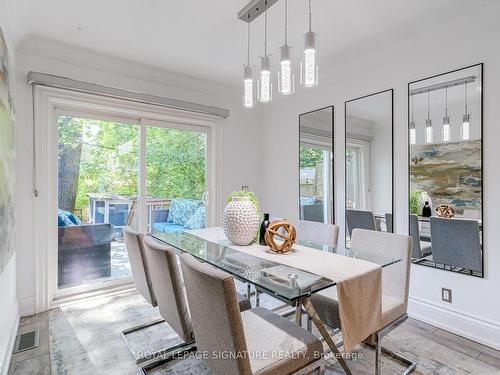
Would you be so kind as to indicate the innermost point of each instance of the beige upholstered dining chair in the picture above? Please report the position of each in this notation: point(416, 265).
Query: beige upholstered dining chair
point(395, 288)
point(320, 233)
point(168, 286)
point(134, 242)
point(243, 343)
point(313, 231)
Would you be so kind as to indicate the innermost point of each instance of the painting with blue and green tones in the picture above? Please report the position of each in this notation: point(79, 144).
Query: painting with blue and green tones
point(7, 141)
point(451, 173)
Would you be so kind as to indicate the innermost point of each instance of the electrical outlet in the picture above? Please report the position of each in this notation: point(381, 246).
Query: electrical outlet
point(446, 295)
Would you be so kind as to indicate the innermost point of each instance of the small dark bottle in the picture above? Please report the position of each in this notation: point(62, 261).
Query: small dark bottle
point(263, 227)
point(426, 210)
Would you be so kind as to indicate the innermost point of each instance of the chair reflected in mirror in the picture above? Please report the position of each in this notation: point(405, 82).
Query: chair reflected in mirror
point(421, 249)
point(456, 243)
point(357, 219)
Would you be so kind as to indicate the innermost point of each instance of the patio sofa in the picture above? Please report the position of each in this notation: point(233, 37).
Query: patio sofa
point(84, 251)
point(311, 209)
point(182, 214)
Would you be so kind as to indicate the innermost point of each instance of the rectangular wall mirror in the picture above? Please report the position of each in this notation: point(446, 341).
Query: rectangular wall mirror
point(445, 171)
point(369, 163)
point(316, 166)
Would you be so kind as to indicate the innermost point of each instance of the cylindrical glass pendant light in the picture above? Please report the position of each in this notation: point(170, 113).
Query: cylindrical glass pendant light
point(428, 121)
point(286, 78)
point(265, 86)
point(309, 66)
point(465, 130)
point(445, 136)
point(248, 91)
point(413, 129)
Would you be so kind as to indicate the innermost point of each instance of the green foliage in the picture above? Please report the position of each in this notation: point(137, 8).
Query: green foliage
point(249, 194)
point(175, 159)
point(414, 202)
point(175, 163)
point(310, 157)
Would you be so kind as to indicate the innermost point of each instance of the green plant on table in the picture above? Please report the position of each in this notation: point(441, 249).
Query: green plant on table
point(415, 201)
point(249, 194)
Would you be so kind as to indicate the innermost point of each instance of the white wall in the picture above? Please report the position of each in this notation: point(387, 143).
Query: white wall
point(475, 311)
point(9, 313)
point(240, 154)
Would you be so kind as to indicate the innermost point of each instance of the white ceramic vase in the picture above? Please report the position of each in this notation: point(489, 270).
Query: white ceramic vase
point(241, 221)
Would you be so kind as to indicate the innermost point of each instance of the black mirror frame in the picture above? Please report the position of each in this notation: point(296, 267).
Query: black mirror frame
point(481, 65)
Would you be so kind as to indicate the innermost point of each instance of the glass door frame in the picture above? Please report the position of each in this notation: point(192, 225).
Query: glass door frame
point(49, 104)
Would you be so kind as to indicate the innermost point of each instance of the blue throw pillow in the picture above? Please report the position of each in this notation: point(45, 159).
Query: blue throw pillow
point(198, 220)
point(181, 210)
point(63, 220)
point(304, 201)
point(74, 219)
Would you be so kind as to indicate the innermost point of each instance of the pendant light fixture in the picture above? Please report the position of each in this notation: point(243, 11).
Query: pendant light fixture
point(286, 78)
point(248, 89)
point(428, 121)
point(446, 120)
point(309, 65)
point(465, 130)
point(265, 86)
point(413, 129)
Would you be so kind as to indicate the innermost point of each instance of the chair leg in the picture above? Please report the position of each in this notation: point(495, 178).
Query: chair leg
point(168, 355)
point(379, 349)
point(257, 298)
point(378, 353)
point(154, 359)
point(139, 360)
point(309, 323)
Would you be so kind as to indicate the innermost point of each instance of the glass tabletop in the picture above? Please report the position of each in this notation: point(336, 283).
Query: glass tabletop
point(375, 256)
point(282, 281)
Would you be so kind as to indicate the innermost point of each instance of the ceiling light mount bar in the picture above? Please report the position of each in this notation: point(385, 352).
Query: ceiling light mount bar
point(254, 9)
point(440, 86)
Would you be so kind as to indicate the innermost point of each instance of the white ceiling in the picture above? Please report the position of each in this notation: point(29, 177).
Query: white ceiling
point(205, 39)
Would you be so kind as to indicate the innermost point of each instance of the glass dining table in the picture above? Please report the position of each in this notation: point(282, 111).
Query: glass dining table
point(288, 284)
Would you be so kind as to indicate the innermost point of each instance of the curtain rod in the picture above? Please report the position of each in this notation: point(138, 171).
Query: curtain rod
point(36, 78)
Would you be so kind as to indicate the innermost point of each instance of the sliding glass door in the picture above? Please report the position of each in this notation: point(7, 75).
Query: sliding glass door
point(97, 185)
point(144, 174)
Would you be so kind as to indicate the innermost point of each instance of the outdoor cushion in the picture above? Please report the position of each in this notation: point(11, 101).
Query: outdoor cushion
point(74, 219)
point(63, 220)
point(168, 227)
point(197, 221)
point(307, 200)
point(181, 210)
point(159, 215)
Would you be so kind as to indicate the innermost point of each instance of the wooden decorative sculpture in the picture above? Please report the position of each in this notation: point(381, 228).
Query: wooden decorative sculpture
point(285, 240)
point(445, 210)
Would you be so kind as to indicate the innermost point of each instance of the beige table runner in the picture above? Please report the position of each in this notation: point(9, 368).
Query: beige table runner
point(359, 283)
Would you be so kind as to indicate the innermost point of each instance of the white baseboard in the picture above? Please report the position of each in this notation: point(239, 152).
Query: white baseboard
point(7, 351)
point(475, 328)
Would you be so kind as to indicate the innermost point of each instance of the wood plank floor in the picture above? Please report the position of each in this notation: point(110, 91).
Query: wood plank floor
point(84, 338)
